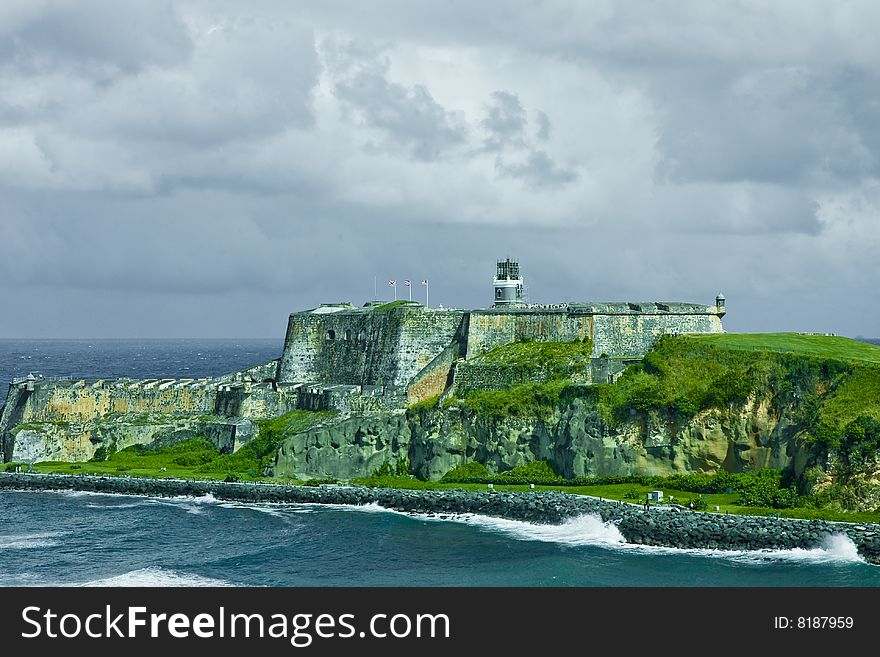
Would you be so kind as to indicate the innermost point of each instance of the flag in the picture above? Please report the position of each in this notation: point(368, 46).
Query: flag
point(392, 282)
point(407, 282)
point(425, 282)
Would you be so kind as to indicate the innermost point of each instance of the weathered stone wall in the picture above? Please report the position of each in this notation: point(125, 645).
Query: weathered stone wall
point(436, 377)
point(69, 420)
point(80, 401)
point(492, 328)
point(254, 400)
point(257, 374)
point(635, 333)
point(490, 376)
point(365, 346)
point(495, 376)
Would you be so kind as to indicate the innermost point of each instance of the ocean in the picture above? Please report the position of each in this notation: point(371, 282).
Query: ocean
point(85, 539)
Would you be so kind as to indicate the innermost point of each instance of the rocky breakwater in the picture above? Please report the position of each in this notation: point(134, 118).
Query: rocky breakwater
point(669, 527)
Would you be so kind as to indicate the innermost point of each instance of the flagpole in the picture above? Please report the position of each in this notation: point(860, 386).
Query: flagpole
point(409, 287)
point(375, 292)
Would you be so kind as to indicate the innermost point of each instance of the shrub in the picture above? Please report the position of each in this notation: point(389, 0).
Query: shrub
point(399, 469)
point(536, 472)
point(466, 471)
point(763, 488)
point(697, 504)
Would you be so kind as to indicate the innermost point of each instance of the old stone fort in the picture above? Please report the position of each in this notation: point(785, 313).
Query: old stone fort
point(377, 357)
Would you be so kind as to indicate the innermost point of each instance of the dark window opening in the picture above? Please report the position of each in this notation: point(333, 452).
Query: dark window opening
point(331, 334)
point(348, 334)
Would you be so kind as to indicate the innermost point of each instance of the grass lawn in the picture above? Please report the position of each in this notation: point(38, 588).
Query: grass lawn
point(815, 345)
point(726, 502)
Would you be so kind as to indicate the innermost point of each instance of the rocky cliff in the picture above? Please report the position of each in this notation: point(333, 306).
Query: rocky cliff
point(575, 440)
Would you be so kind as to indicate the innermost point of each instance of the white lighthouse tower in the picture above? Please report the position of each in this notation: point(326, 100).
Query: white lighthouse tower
point(509, 287)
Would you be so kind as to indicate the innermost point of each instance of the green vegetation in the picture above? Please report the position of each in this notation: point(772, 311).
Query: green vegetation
point(762, 489)
point(561, 359)
point(824, 346)
point(260, 452)
point(470, 471)
point(426, 404)
point(684, 375)
point(390, 305)
point(41, 425)
point(390, 475)
point(525, 400)
point(830, 380)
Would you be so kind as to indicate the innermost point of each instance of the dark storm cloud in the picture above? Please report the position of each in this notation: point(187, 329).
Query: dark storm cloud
point(538, 171)
point(93, 36)
point(505, 121)
point(204, 168)
point(407, 118)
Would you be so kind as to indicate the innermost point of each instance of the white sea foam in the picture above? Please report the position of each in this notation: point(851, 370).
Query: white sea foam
point(193, 505)
point(589, 529)
point(156, 576)
point(833, 548)
point(586, 529)
point(29, 541)
point(580, 530)
point(132, 505)
point(276, 510)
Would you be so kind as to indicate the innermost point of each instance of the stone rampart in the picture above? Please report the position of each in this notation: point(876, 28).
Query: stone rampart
point(634, 334)
point(365, 346)
point(496, 327)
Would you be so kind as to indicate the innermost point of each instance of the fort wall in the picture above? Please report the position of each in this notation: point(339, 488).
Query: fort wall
point(365, 346)
point(496, 327)
point(633, 335)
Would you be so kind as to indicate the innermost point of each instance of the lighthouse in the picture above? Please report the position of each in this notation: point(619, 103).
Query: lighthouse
point(509, 287)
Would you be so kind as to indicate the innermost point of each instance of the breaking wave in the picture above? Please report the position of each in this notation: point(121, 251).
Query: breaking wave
point(156, 576)
point(30, 541)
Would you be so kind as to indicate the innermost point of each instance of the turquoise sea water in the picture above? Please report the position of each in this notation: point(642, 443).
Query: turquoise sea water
point(83, 538)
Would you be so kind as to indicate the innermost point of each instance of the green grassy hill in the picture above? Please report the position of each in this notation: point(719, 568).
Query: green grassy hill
point(831, 380)
point(825, 346)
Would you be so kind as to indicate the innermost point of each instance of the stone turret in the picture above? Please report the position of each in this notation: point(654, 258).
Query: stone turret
point(719, 303)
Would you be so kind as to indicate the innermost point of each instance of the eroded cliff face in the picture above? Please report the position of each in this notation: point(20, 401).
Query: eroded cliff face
point(64, 441)
point(576, 441)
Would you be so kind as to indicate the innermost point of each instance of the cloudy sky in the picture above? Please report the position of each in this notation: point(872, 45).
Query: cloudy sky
point(176, 169)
